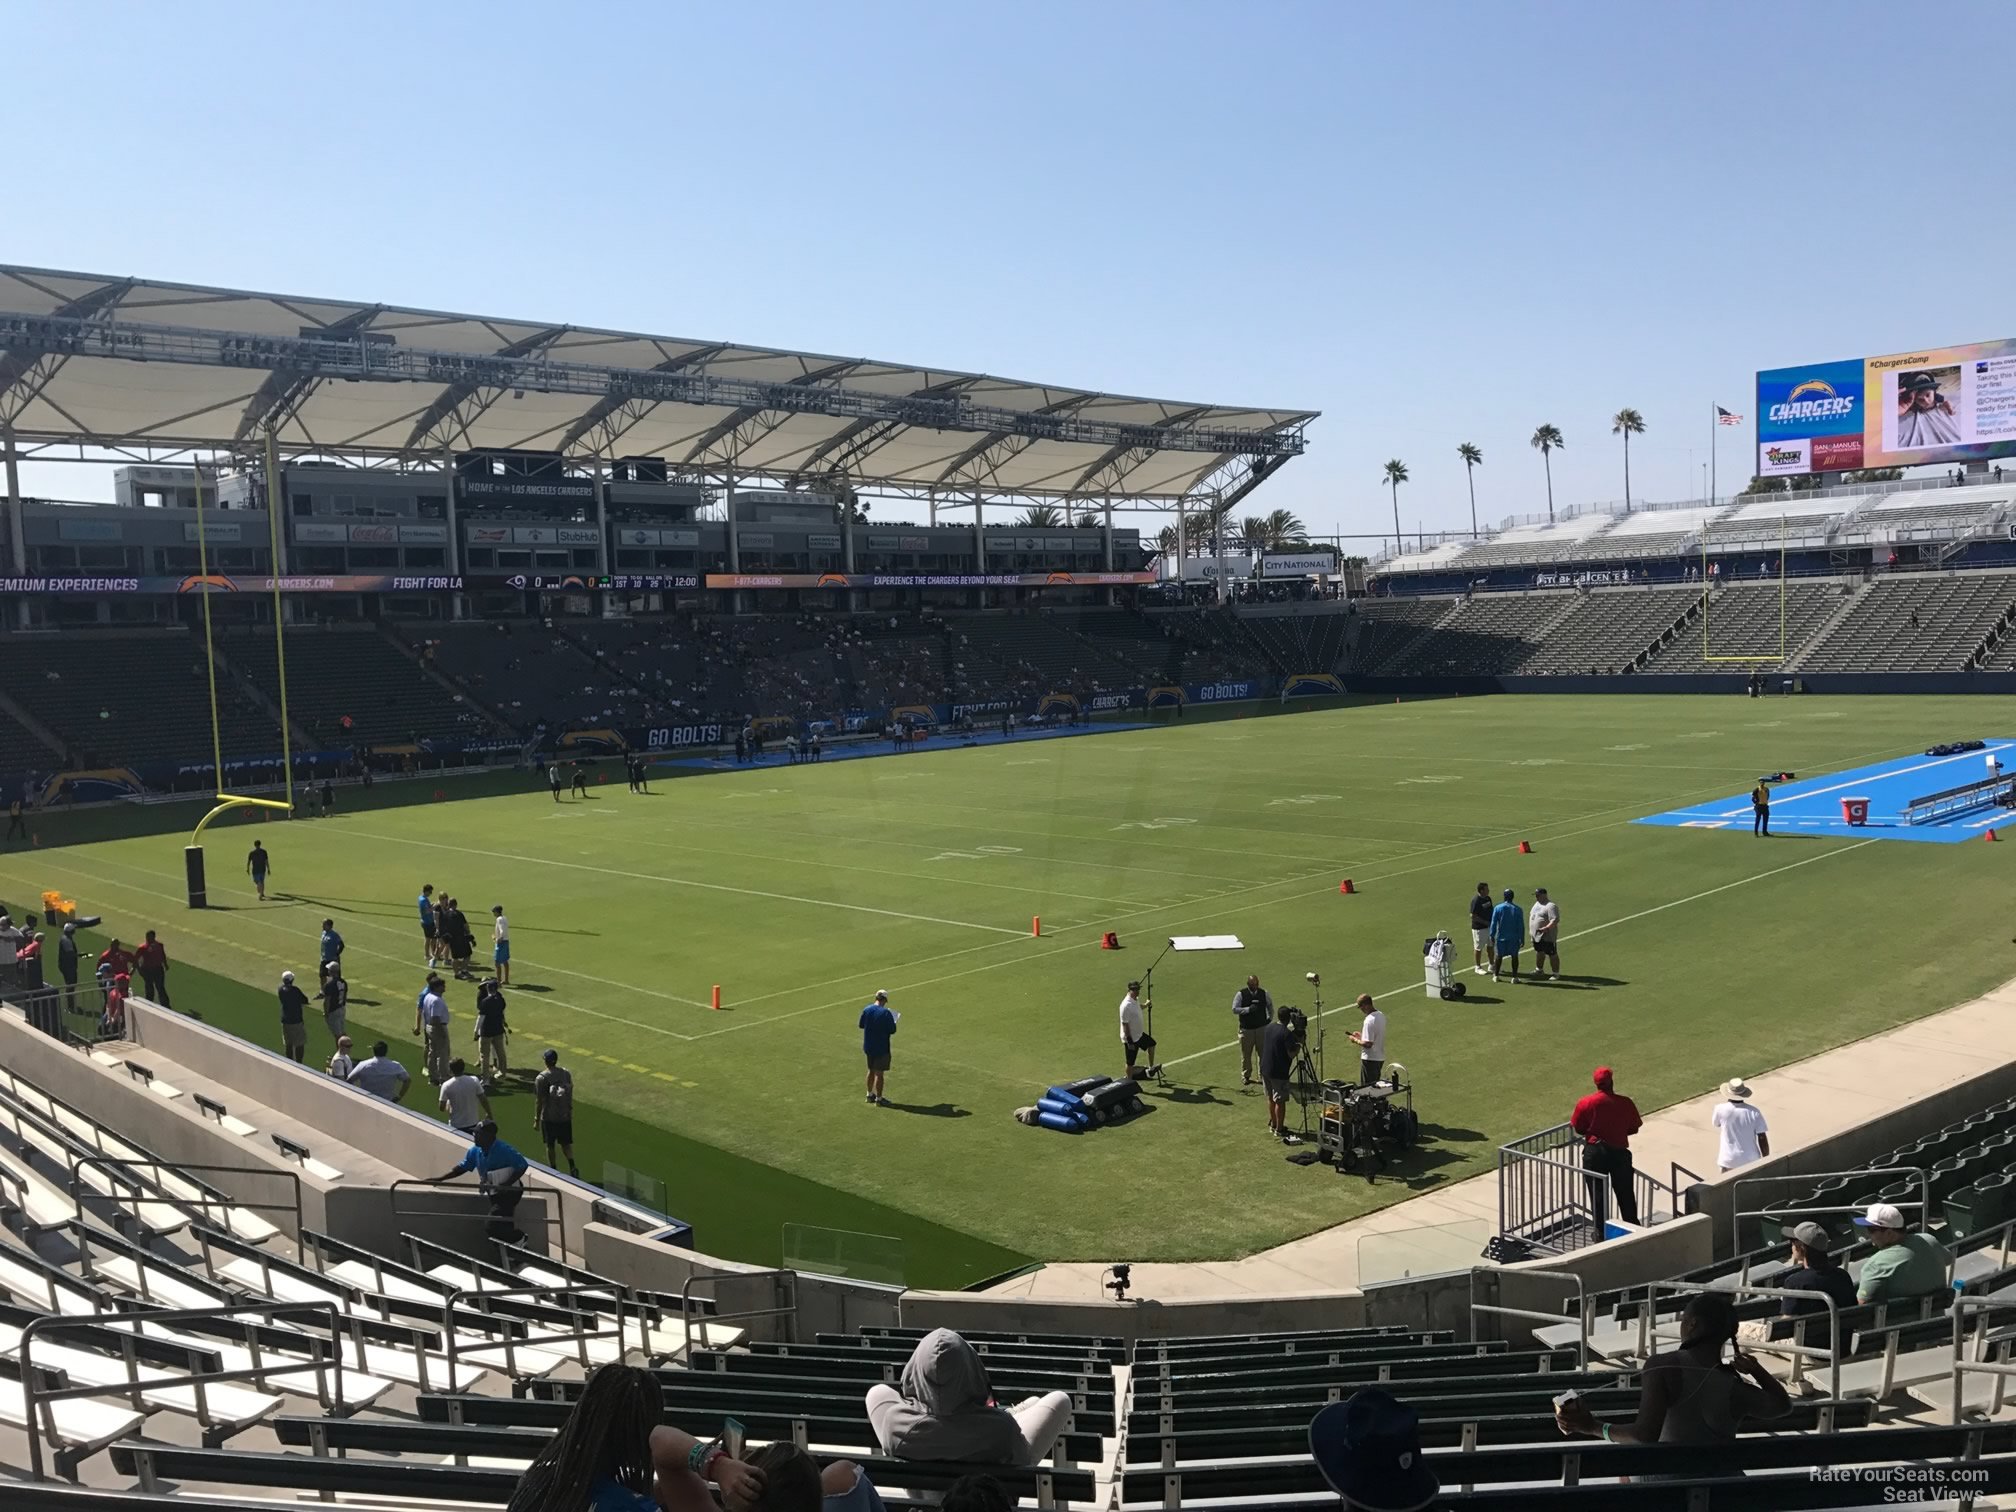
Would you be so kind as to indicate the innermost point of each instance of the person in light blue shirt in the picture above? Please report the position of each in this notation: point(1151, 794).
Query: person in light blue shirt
point(1508, 935)
point(500, 1174)
point(427, 929)
point(878, 1024)
point(332, 942)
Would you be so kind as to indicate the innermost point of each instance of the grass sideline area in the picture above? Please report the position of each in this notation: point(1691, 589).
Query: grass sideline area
point(1691, 955)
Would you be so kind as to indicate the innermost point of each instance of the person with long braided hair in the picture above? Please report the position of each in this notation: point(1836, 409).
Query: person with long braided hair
point(600, 1460)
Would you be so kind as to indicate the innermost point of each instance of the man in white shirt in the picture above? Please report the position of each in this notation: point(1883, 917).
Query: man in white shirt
point(1745, 1137)
point(462, 1099)
point(1544, 925)
point(500, 945)
point(1134, 1029)
point(342, 1063)
point(1371, 1041)
point(381, 1075)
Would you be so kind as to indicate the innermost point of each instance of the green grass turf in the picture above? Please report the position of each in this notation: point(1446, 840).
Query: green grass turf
point(1701, 954)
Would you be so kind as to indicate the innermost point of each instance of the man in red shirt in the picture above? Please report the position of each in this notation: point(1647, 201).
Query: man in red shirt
point(113, 1023)
point(1606, 1123)
point(119, 958)
point(152, 956)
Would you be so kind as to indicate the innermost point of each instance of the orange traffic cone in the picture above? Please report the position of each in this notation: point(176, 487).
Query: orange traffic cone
point(1346, 886)
point(1525, 848)
point(1109, 941)
point(1991, 835)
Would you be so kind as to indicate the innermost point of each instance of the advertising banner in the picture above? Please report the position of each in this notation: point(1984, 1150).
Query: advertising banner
point(338, 582)
point(320, 532)
point(673, 737)
point(1937, 404)
point(928, 579)
point(214, 531)
point(1298, 563)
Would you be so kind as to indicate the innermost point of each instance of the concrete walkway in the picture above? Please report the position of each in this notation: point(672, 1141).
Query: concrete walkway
point(1805, 1102)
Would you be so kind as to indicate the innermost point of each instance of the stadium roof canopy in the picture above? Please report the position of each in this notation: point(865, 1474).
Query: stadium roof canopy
point(126, 363)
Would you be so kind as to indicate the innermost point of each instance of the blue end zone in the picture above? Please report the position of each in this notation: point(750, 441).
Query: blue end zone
point(1813, 806)
point(776, 755)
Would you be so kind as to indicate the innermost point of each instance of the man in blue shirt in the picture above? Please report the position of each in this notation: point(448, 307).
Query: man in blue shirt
point(500, 1174)
point(1508, 934)
point(332, 943)
point(426, 901)
point(878, 1023)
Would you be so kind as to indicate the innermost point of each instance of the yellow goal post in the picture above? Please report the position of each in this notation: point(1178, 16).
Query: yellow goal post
point(227, 801)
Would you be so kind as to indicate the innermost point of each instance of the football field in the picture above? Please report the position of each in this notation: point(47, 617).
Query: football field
point(1692, 954)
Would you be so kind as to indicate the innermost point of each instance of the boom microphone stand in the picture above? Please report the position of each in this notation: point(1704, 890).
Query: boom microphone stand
point(1148, 1013)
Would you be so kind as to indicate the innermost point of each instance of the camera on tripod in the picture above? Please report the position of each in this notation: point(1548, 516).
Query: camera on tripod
point(1297, 1023)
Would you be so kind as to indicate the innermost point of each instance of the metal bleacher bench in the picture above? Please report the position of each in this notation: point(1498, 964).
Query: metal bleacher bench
point(1959, 800)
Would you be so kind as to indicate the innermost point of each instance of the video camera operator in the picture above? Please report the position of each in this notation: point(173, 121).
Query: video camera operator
point(1280, 1043)
point(1253, 1009)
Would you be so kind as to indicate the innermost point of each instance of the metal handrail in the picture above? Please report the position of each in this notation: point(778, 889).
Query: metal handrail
point(1999, 1369)
point(32, 1397)
point(1648, 1323)
point(1581, 1306)
point(205, 1200)
point(686, 1305)
point(547, 1218)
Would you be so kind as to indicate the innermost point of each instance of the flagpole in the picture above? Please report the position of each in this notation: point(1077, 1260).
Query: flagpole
point(1714, 451)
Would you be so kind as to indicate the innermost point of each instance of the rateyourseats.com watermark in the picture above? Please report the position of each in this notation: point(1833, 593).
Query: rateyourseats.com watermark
point(1903, 1484)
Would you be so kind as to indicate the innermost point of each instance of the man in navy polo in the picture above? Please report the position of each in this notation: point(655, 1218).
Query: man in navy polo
point(500, 1174)
point(878, 1025)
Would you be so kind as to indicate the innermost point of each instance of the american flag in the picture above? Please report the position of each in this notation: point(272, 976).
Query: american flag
point(1723, 417)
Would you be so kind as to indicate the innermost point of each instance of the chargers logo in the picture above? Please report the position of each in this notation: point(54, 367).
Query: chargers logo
point(1815, 399)
point(833, 580)
point(1058, 579)
point(215, 582)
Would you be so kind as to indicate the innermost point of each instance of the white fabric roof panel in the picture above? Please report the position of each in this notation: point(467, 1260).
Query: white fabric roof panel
point(193, 397)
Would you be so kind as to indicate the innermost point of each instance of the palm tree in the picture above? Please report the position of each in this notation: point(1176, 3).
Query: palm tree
point(1627, 423)
point(1547, 439)
point(1471, 456)
point(1088, 521)
point(1041, 516)
point(1273, 531)
point(1396, 474)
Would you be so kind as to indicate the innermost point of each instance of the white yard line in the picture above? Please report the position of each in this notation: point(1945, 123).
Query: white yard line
point(1419, 984)
point(539, 1000)
point(720, 887)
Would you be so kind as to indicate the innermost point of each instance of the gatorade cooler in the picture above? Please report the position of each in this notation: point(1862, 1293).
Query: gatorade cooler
point(1855, 810)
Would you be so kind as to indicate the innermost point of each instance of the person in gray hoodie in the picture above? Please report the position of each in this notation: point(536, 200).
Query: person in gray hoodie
point(946, 1411)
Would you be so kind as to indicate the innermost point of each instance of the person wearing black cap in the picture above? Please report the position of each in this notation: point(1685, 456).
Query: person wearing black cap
point(1924, 415)
point(1369, 1450)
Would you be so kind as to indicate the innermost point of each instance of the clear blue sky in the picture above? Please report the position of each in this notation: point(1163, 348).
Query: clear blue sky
point(1433, 222)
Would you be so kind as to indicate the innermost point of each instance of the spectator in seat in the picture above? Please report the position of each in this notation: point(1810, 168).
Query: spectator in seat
point(1369, 1450)
point(1813, 1269)
point(944, 1410)
point(1905, 1264)
point(1692, 1395)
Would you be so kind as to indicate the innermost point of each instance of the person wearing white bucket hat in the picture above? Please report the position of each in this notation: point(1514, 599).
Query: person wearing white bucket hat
point(1745, 1136)
point(1904, 1263)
